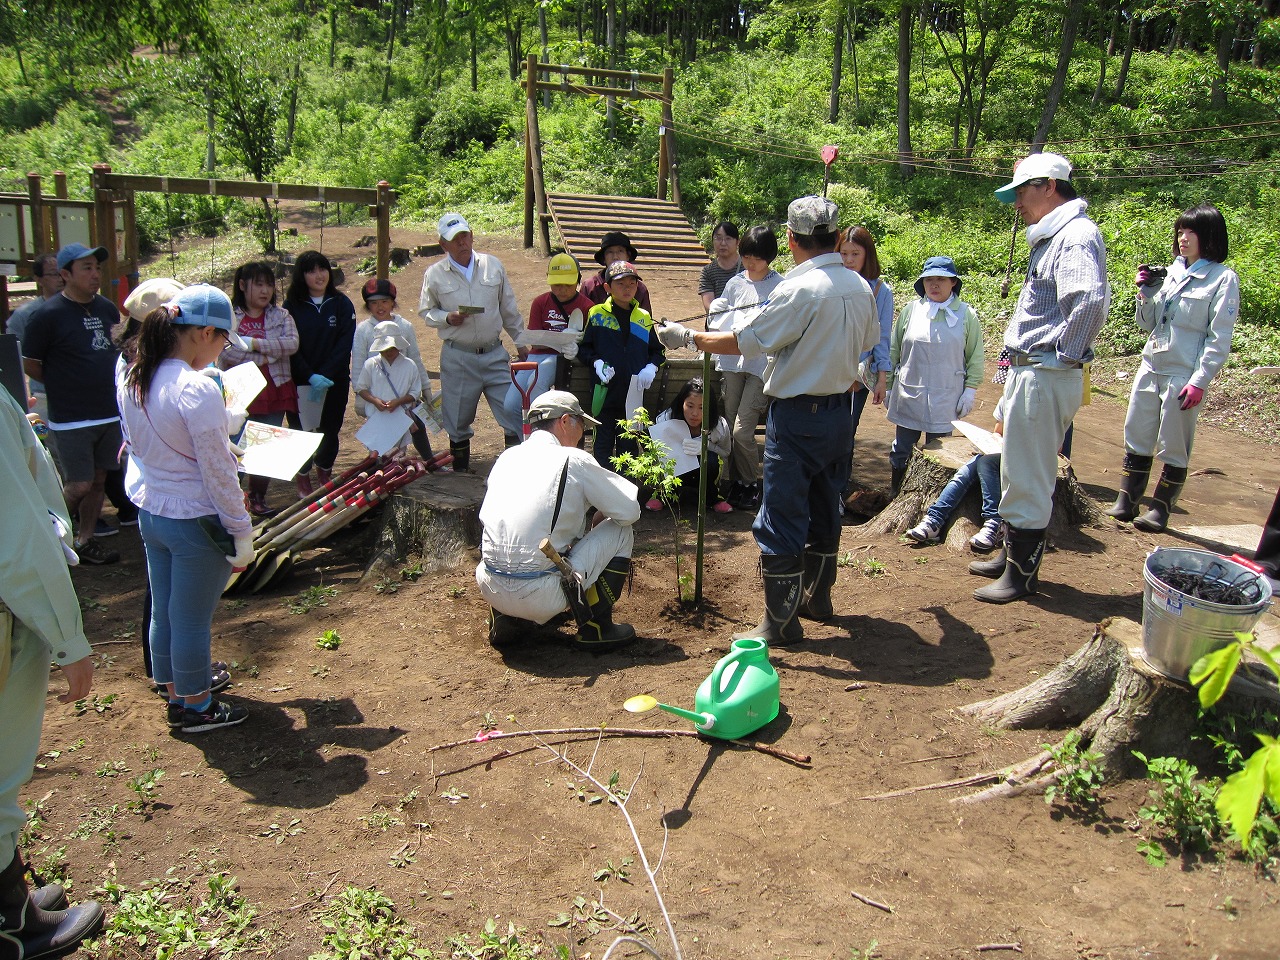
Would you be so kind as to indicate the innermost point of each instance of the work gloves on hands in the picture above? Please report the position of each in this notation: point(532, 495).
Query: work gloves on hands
point(964, 406)
point(693, 447)
point(604, 372)
point(646, 375)
point(235, 423)
point(673, 336)
point(1189, 397)
point(319, 384)
point(244, 552)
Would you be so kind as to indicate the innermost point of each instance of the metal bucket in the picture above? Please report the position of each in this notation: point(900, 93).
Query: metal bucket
point(1178, 629)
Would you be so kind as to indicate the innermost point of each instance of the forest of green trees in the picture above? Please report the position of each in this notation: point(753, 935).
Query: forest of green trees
point(1159, 105)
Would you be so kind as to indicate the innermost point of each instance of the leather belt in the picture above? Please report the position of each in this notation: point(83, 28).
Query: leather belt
point(1031, 360)
point(477, 350)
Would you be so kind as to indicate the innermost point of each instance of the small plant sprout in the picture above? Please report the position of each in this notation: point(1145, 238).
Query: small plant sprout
point(282, 832)
point(1079, 776)
point(144, 785)
point(873, 569)
point(310, 598)
point(329, 640)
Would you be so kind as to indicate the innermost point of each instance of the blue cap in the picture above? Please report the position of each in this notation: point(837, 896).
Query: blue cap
point(78, 251)
point(938, 267)
point(201, 305)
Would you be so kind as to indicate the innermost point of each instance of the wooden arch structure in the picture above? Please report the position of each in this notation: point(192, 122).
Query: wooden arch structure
point(656, 225)
point(32, 224)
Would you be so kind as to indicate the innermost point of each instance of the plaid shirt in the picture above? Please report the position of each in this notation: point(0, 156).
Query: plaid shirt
point(273, 348)
point(1065, 297)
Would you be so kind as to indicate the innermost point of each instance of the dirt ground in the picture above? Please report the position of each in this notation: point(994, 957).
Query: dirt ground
point(332, 781)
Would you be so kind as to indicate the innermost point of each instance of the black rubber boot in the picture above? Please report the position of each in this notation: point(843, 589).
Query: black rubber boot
point(506, 632)
point(896, 476)
point(1025, 549)
point(422, 443)
point(1163, 498)
point(783, 579)
point(1133, 484)
point(28, 930)
point(816, 581)
point(461, 451)
point(601, 633)
point(993, 566)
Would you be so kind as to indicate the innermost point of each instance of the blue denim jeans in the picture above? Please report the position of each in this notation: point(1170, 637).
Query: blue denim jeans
point(187, 574)
point(903, 441)
point(806, 464)
point(985, 469)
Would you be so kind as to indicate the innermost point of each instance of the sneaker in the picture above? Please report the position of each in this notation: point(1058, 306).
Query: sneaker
point(654, 505)
point(218, 671)
point(174, 712)
point(989, 537)
point(127, 516)
point(926, 531)
point(104, 529)
point(722, 506)
point(218, 715)
point(93, 552)
point(745, 496)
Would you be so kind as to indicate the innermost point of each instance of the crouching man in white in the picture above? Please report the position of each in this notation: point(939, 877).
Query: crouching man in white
point(547, 488)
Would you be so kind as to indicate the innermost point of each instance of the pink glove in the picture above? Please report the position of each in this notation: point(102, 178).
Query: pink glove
point(1190, 397)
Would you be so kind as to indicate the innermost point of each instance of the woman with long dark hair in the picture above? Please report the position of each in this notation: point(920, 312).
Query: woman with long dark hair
point(1189, 312)
point(175, 421)
point(321, 366)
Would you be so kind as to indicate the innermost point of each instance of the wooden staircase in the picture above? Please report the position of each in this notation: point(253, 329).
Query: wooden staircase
point(659, 230)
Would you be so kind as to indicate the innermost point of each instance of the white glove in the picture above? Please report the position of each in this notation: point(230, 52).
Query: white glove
point(965, 405)
point(693, 447)
point(244, 551)
point(673, 336)
point(569, 351)
point(603, 371)
point(250, 344)
point(235, 423)
point(646, 375)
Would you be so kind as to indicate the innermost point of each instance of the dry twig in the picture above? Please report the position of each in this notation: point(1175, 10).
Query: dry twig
point(871, 903)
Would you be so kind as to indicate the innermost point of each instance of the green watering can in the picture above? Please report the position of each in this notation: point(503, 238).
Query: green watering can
point(739, 696)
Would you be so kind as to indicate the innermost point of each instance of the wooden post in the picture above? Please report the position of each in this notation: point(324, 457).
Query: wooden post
point(673, 173)
point(60, 185)
point(131, 255)
point(39, 240)
point(530, 109)
point(103, 229)
point(384, 230)
point(664, 158)
point(534, 146)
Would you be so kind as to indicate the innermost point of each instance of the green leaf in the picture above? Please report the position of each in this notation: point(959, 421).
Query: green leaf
point(1213, 672)
point(1268, 660)
point(1240, 796)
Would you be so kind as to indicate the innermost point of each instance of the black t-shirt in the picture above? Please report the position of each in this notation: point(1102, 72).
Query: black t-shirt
point(73, 341)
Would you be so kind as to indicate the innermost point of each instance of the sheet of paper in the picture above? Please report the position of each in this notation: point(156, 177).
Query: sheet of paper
point(276, 452)
point(984, 440)
point(309, 410)
point(635, 396)
point(384, 430)
point(242, 383)
point(672, 434)
point(430, 411)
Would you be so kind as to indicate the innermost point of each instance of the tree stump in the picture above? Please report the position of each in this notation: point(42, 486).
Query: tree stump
point(435, 518)
point(932, 467)
point(1118, 703)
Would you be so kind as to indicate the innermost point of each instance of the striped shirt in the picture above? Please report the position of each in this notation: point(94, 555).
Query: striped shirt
point(714, 277)
point(1065, 297)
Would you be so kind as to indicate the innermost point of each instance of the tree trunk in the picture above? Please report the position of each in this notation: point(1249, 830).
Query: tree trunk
point(391, 46)
point(1071, 23)
point(932, 468)
point(1123, 76)
point(1119, 703)
point(1218, 89)
point(837, 53)
point(211, 128)
point(853, 57)
point(435, 518)
point(333, 35)
point(1107, 53)
point(475, 68)
point(906, 13)
point(546, 48)
point(611, 22)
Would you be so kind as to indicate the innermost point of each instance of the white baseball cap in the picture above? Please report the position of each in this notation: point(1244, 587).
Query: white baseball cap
point(1038, 166)
point(452, 224)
